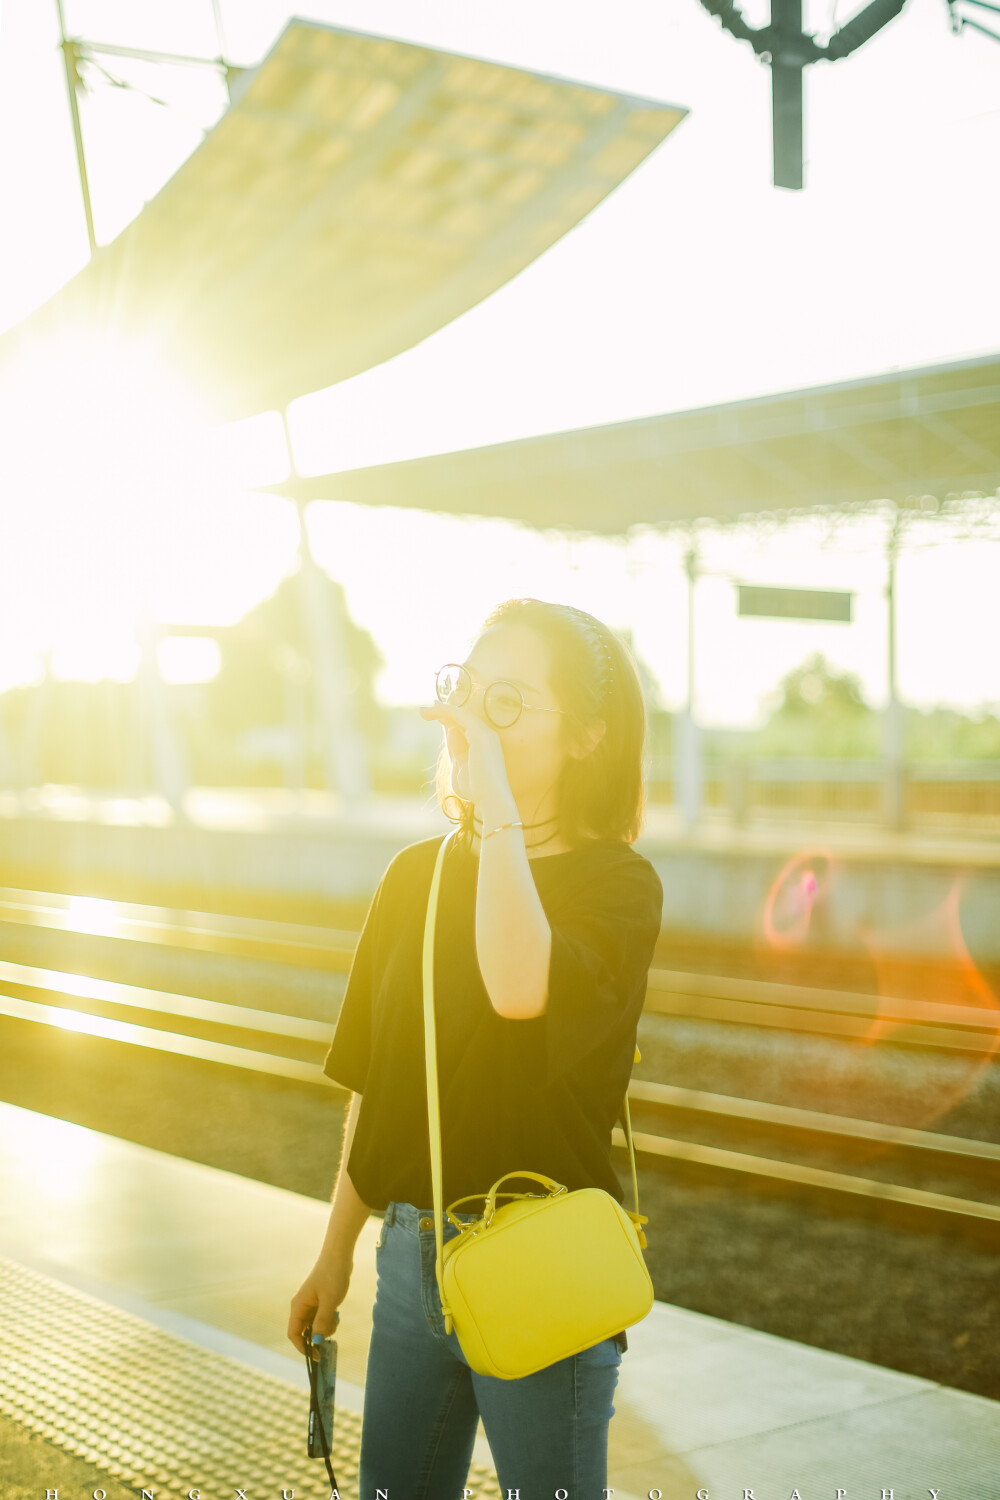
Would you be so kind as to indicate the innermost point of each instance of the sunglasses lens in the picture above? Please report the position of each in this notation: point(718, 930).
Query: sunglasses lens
point(503, 704)
point(453, 684)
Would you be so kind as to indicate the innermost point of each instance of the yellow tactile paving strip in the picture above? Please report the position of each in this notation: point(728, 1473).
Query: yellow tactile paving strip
point(153, 1410)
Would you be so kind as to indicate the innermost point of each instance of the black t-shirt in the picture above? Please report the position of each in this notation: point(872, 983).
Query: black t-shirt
point(540, 1094)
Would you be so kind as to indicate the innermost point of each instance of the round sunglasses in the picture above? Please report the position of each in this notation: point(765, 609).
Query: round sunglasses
point(503, 703)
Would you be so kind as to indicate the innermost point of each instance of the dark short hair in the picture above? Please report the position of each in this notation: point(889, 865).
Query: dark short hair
point(600, 795)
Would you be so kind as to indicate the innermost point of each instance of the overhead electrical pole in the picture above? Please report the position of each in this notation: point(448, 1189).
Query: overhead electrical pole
point(788, 50)
point(71, 57)
point(788, 59)
point(959, 21)
point(75, 50)
point(688, 769)
point(893, 748)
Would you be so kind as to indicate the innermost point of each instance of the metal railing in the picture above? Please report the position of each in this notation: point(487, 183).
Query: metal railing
point(963, 795)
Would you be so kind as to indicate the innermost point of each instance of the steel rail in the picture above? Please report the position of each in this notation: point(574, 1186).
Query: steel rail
point(164, 1002)
point(247, 1018)
point(656, 1147)
point(944, 1026)
point(814, 1121)
point(175, 927)
point(161, 1041)
point(94, 1006)
point(811, 1177)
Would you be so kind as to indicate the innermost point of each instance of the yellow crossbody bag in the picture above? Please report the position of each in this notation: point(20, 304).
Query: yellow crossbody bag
point(540, 1277)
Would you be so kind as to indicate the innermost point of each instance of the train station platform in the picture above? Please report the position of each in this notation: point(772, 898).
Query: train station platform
point(929, 893)
point(402, 817)
point(143, 1305)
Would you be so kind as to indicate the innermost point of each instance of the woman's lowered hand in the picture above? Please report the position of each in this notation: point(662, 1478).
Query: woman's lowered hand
point(318, 1299)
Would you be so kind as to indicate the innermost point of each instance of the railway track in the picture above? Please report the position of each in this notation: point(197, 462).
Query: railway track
point(892, 1163)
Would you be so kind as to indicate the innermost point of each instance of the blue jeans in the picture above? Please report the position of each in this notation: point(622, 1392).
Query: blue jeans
point(547, 1431)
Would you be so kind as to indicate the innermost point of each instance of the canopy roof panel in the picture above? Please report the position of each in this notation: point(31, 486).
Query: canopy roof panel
point(929, 431)
point(358, 194)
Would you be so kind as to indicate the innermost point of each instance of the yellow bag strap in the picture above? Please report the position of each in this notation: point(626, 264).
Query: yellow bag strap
point(430, 1059)
point(433, 1103)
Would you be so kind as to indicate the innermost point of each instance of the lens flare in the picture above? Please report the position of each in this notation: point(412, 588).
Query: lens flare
point(954, 979)
point(795, 891)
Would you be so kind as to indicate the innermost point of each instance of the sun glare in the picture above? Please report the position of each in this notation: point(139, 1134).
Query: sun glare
point(112, 474)
point(188, 658)
point(94, 915)
point(92, 416)
point(57, 1158)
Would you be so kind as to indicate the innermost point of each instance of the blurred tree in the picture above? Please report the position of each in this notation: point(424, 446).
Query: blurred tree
point(945, 734)
point(96, 734)
point(820, 712)
point(69, 733)
point(267, 677)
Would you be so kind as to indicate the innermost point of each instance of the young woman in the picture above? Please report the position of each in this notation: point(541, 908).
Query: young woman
point(546, 926)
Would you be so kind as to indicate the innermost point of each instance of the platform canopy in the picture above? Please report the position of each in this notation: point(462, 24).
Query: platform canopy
point(358, 194)
point(924, 432)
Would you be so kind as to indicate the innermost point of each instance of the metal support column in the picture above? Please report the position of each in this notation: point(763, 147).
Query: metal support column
point(8, 764)
point(32, 757)
point(688, 776)
point(345, 750)
point(170, 776)
point(295, 675)
point(787, 59)
point(893, 722)
point(345, 753)
point(71, 59)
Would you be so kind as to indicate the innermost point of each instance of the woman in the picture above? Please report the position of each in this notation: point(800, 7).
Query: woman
point(546, 926)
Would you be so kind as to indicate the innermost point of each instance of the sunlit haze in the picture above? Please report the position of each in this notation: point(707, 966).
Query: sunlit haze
point(696, 282)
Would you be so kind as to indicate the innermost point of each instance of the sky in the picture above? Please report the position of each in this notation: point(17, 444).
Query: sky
point(695, 282)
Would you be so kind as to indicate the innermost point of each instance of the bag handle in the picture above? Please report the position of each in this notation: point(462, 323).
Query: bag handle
point(487, 1199)
point(554, 1190)
point(433, 1101)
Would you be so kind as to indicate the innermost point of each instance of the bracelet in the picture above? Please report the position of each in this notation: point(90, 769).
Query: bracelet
point(492, 831)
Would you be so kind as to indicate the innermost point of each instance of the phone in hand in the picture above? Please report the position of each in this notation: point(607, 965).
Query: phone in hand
point(322, 1362)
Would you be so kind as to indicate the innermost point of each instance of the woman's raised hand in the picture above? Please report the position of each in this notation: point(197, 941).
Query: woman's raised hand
point(471, 737)
point(318, 1299)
